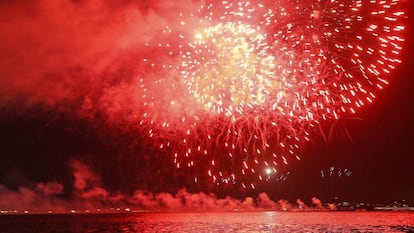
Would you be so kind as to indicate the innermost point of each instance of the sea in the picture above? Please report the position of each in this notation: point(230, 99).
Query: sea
point(306, 221)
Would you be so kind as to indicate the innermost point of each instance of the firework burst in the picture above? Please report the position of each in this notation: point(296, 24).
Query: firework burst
point(236, 88)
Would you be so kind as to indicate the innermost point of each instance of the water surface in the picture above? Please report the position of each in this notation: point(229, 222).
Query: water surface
point(212, 222)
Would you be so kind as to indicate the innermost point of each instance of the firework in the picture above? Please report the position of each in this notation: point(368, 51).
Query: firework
point(335, 172)
point(235, 88)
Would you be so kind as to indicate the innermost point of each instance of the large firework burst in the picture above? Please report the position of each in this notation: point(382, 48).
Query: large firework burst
point(236, 87)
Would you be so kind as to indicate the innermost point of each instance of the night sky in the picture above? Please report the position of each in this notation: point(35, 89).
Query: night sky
point(64, 66)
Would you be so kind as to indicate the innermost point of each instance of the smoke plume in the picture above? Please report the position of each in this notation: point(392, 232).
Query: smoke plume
point(88, 195)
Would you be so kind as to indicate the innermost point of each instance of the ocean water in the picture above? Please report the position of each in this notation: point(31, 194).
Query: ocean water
point(211, 222)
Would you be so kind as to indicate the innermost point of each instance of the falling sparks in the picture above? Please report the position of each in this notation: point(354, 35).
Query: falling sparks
point(236, 88)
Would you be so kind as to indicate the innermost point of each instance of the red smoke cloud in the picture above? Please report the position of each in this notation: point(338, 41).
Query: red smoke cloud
point(83, 177)
point(51, 188)
point(301, 204)
point(40, 200)
point(317, 203)
point(89, 195)
point(78, 56)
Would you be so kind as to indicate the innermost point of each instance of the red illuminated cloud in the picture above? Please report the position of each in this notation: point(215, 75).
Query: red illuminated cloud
point(64, 52)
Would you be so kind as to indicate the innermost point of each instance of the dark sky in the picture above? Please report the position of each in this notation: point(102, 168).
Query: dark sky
point(55, 56)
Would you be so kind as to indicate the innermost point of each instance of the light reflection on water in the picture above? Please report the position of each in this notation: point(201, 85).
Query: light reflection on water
point(213, 222)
